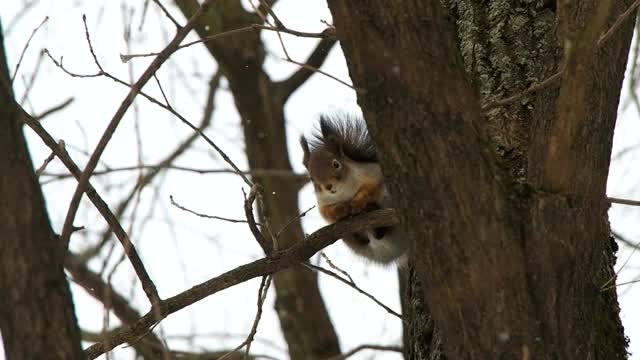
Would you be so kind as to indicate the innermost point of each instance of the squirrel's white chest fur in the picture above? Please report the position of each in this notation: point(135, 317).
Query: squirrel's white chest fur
point(359, 174)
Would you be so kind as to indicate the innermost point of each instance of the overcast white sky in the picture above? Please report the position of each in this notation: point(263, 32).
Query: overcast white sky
point(181, 250)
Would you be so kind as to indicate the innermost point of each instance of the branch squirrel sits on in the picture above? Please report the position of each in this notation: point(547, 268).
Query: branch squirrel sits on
point(347, 179)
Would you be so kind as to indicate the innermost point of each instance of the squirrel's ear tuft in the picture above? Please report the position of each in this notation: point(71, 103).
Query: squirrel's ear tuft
point(305, 150)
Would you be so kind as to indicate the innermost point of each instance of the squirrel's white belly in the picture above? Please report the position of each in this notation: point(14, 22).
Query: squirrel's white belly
point(342, 195)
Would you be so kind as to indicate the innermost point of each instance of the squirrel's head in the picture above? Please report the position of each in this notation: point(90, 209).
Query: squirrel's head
point(326, 165)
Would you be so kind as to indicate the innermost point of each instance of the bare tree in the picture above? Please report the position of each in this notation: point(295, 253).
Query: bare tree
point(494, 124)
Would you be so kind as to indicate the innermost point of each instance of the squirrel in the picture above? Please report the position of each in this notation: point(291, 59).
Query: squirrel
point(347, 179)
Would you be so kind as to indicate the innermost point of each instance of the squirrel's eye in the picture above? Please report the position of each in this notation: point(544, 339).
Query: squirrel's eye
point(336, 164)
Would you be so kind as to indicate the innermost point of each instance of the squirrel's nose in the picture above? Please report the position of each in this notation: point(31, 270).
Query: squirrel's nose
point(328, 187)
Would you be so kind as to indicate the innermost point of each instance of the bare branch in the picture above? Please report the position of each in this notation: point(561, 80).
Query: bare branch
point(129, 249)
point(168, 14)
point(278, 261)
point(266, 246)
point(366, 347)
point(49, 158)
point(115, 121)
point(95, 286)
point(262, 294)
point(621, 19)
point(315, 60)
point(28, 5)
point(327, 33)
point(623, 201)
point(277, 173)
point(174, 203)
point(314, 69)
point(26, 46)
point(624, 240)
point(292, 220)
point(54, 109)
point(354, 286)
point(335, 267)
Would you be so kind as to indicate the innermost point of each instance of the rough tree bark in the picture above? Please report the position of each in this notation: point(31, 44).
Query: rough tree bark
point(512, 264)
point(260, 101)
point(37, 316)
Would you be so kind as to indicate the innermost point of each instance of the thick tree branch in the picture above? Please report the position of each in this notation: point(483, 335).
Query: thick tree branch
point(559, 168)
point(278, 261)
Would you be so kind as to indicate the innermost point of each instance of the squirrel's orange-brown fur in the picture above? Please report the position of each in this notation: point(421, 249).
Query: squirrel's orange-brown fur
point(365, 198)
point(347, 180)
point(367, 194)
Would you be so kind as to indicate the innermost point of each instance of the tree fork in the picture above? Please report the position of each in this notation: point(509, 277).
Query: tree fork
point(508, 270)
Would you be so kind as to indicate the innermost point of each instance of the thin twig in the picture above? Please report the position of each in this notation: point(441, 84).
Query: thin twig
point(623, 201)
point(28, 84)
point(162, 90)
point(612, 279)
point(168, 14)
point(625, 241)
point(354, 351)
point(335, 267)
point(292, 220)
point(48, 160)
point(315, 60)
point(266, 246)
point(314, 69)
point(96, 287)
point(26, 46)
point(276, 20)
point(174, 203)
point(278, 173)
point(53, 109)
point(262, 294)
point(328, 33)
point(93, 53)
point(12, 23)
point(355, 287)
point(624, 16)
point(60, 65)
point(127, 57)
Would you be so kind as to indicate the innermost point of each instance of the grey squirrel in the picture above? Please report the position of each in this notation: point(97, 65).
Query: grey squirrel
point(347, 179)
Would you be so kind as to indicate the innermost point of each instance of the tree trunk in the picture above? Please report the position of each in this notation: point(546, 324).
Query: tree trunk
point(511, 266)
point(37, 316)
point(303, 316)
